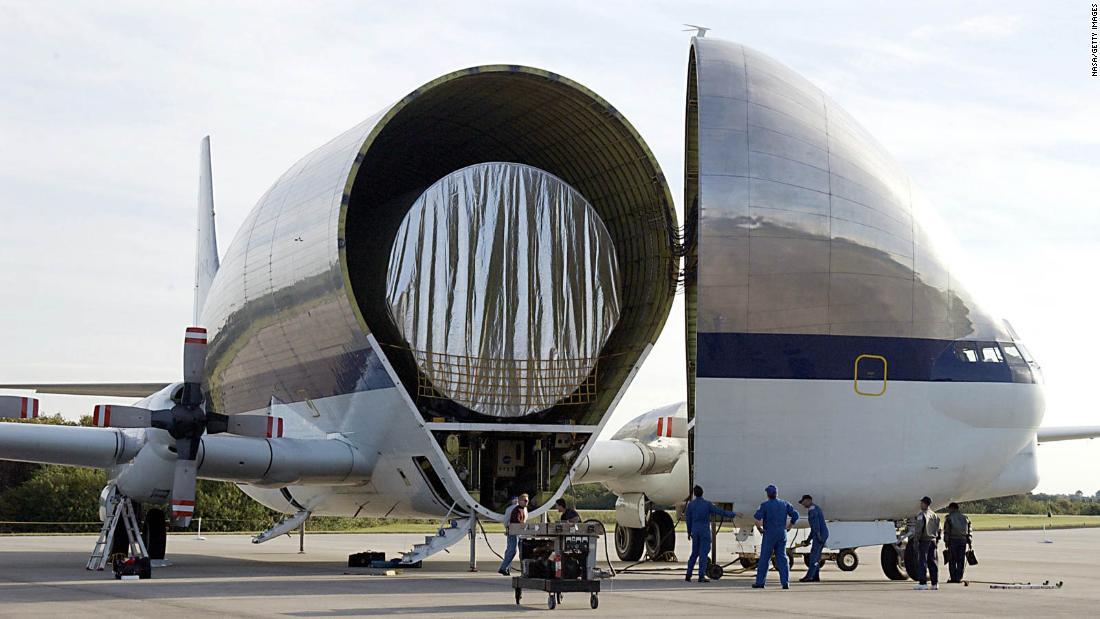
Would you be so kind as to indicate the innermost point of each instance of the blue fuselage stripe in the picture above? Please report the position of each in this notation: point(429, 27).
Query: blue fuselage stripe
point(833, 357)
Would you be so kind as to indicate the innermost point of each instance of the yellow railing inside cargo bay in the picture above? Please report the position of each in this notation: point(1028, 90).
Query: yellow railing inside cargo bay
point(507, 382)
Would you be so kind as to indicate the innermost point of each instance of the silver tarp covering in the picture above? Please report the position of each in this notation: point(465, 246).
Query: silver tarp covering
point(504, 282)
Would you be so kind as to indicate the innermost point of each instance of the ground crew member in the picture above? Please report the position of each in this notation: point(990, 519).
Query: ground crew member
point(819, 533)
point(568, 514)
point(697, 515)
point(956, 532)
point(926, 533)
point(771, 519)
point(516, 513)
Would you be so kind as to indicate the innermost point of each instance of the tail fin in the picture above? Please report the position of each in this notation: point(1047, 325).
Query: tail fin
point(206, 244)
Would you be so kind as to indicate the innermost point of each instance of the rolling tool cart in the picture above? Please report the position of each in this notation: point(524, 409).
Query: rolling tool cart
point(558, 558)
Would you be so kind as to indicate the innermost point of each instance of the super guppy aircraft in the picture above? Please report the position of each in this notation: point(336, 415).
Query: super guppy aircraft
point(439, 309)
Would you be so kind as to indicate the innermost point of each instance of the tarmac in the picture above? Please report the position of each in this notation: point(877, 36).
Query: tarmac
point(226, 575)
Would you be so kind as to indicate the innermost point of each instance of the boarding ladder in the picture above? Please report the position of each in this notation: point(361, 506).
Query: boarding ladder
point(448, 534)
point(119, 507)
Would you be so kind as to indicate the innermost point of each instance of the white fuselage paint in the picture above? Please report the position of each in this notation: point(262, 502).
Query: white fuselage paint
point(865, 457)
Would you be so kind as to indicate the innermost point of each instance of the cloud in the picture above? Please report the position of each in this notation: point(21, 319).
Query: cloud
point(984, 26)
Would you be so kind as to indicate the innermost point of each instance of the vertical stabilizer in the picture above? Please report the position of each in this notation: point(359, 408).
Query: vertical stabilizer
point(206, 243)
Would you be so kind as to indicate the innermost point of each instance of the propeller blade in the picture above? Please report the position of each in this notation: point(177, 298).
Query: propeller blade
point(194, 354)
point(187, 424)
point(194, 366)
point(261, 426)
point(112, 416)
point(183, 483)
point(16, 407)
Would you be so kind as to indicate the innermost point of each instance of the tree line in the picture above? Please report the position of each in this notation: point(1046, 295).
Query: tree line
point(62, 496)
point(38, 493)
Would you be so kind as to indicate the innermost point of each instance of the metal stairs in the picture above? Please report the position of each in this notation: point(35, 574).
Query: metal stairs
point(447, 536)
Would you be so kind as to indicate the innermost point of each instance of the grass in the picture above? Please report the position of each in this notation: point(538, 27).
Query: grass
point(1005, 522)
point(982, 522)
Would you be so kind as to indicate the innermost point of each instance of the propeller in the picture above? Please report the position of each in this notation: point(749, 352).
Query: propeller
point(16, 407)
point(186, 422)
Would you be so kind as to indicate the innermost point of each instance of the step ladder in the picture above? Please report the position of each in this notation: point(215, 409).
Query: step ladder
point(446, 536)
point(119, 507)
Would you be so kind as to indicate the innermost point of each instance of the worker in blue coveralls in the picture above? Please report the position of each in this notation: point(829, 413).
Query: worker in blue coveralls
point(697, 515)
point(819, 533)
point(771, 519)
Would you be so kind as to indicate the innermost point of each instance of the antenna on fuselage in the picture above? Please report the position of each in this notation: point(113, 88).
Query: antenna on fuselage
point(700, 31)
point(206, 240)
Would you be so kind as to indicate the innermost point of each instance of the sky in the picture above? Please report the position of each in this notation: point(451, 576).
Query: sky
point(988, 106)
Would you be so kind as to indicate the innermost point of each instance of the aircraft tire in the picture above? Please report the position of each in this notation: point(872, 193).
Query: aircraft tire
point(155, 533)
point(660, 534)
point(911, 561)
point(629, 543)
point(889, 560)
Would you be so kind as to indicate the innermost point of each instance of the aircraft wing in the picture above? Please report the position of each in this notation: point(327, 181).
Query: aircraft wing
point(1067, 433)
point(68, 445)
point(226, 457)
point(121, 390)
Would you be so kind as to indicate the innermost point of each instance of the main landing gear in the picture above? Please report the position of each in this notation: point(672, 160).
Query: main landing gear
point(657, 540)
point(155, 533)
point(899, 561)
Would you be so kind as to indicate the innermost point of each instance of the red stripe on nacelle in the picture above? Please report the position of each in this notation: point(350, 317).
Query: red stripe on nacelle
point(181, 502)
point(102, 415)
point(193, 340)
point(668, 428)
point(660, 426)
point(274, 427)
point(34, 415)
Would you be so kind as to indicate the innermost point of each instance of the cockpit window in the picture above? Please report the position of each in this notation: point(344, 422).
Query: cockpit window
point(1013, 354)
point(991, 354)
point(966, 351)
point(1024, 351)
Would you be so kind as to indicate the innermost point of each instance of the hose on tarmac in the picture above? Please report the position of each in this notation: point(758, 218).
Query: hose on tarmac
point(665, 570)
point(647, 558)
point(487, 543)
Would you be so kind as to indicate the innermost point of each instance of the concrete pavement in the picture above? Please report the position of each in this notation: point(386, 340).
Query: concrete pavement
point(226, 575)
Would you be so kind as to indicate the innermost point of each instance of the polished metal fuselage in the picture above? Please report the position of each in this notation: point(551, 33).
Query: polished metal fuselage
point(835, 342)
point(288, 333)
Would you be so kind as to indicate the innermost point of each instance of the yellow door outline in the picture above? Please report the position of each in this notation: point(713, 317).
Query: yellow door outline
point(855, 384)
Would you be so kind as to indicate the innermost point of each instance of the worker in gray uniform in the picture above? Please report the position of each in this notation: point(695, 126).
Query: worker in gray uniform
point(956, 532)
point(926, 534)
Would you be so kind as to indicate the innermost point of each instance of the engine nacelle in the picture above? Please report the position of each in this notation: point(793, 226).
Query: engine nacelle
point(619, 458)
